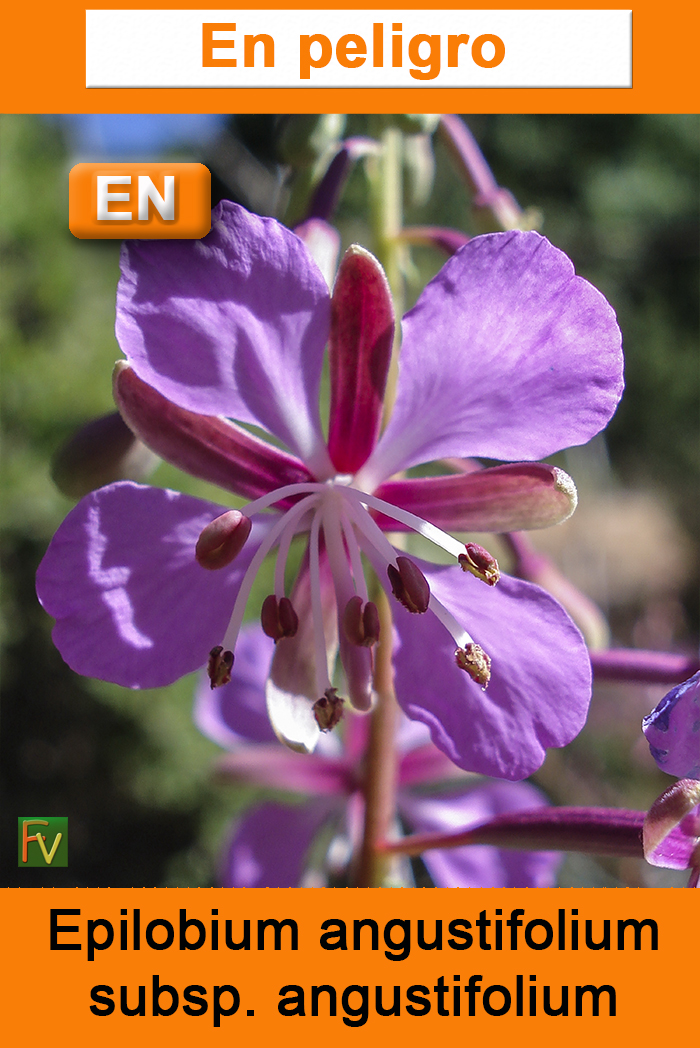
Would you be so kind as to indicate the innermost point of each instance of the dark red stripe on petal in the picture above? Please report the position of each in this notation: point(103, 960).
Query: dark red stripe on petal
point(362, 332)
point(515, 497)
point(205, 446)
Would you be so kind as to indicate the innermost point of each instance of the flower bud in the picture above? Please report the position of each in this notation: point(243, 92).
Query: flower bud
point(303, 138)
point(328, 711)
point(409, 585)
point(474, 661)
point(671, 833)
point(222, 540)
point(100, 452)
point(219, 666)
point(411, 123)
point(278, 617)
point(361, 623)
point(481, 563)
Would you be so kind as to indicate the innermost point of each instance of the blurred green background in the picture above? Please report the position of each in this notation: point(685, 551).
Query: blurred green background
point(619, 194)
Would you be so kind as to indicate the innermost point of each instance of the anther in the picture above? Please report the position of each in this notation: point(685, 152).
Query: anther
point(474, 661)
point(222, 540)
point(361, 623)
point(278, 617)
point(409, 585)
point(219, 666)
point(481, 564)
point(328, 710)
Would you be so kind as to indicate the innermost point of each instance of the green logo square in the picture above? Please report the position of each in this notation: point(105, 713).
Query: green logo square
point(42, 841)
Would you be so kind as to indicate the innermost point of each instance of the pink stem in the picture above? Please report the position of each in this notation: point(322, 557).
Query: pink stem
point(600, 831)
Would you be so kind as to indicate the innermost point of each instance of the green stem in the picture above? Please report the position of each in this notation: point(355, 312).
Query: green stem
point(386, 195)
point(379, 785)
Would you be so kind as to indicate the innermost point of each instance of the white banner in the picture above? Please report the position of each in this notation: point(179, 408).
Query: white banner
point(462, 48)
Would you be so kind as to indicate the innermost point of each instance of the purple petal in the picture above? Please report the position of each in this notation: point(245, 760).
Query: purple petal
point(506, 355)
point(480, 866)
point(131, 603)
point(540, 684)
point(362, 334)
point(235, 713)
point(515, 497)
point(234, 324)
point(292, 689)
point(411, 735)
point(673, 730)
point(204, 446)
point(275, 767)
point(426, 764)
point(270, 844)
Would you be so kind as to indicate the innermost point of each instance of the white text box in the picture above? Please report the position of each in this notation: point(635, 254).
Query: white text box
point(542, 49)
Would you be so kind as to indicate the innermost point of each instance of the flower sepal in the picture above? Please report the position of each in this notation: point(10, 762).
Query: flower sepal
point(671, 832)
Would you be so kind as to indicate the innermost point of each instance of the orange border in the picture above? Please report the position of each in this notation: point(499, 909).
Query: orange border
point(42, 69)
point(47, 995)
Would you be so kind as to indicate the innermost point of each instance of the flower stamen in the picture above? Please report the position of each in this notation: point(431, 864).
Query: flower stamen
point(278, 617)
point(480, 563)
point(353, 547)
point(474, 661)
point(321, 658)
point(361, 622)
point(289, 520)
point(219, 666)
point(409, 585)
point(222, 540)
point(328, 710)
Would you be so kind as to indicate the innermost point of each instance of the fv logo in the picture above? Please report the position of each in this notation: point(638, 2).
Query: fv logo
point(42, 842)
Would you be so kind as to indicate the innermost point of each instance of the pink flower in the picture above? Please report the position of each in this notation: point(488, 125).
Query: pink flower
point(506, 355)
